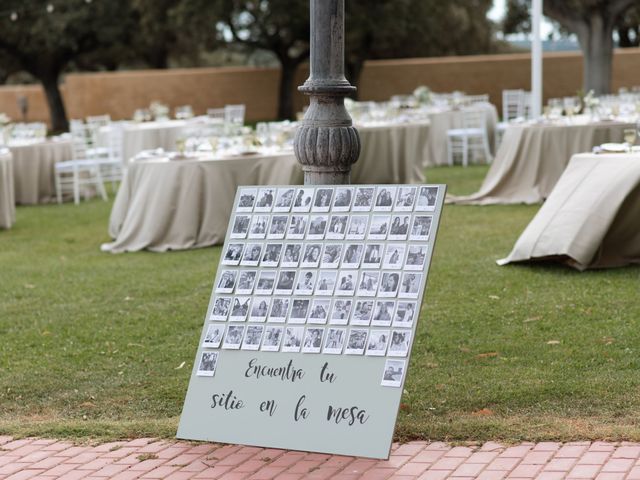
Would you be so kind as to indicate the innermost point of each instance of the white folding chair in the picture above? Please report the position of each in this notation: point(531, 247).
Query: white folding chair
point(98, 120)
point(471, 138)
point(234, 114)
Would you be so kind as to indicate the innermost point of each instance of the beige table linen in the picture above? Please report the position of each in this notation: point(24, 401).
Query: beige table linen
point(592, 217)
point(180, 204)
point(7, 196)
point(146, 136)
point(33, 169)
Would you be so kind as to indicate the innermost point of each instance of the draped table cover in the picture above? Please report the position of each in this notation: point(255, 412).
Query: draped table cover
point(591, 218)
point(7, 196)
point(531, 159)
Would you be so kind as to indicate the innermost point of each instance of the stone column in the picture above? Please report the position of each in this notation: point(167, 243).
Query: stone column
point(326, 143)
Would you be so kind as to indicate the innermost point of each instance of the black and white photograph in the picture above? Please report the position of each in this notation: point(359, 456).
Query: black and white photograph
point(399, 227)
point(312, 342)
point(384, 199)
point(377, 343)
point(207, 365)
point(227, 281)
point(362, 313)
point(306, 282)
point(220, 310)
point(271, 256)
point(364, 199)
point(233, 254)
point(393, 373)
point(399, 344)
point(322, 200)
point(266, 197)
point(353, 255)
point(427, 197)
point(373, 255)
point(272, 338)
point(331, 255)
point(379, 227)
point(297, 227)
point(405, 315)
point(247, 199)
point(368, 284)
point(233, 338)
point(292, 339)
point(286, 282)
point(405, 199)
point(416, 257)
point(317, 227)
point(213, 337)
point(389, 284)
point(357, 227)
point(394, 256)
point(266, 282)
point(251, 255)
point(357, 341)
point(340, 312)
point(334, 341)
point(337, 227)
point(259, 309)
point(239, 309)
point(410, 285)
point(421, 227)
point(319, 311)
point(258, 228)
point(284, 199)
point(346, 282)
point(291, 256)
point(279, 310)
point(383, 313)
point(343, 198)
point(253, 337)
point(240, 226)
point(299, 310)
point(302, 200)
point(326, 282)
point(278, 227)
point(311, 255)
point(246, 281)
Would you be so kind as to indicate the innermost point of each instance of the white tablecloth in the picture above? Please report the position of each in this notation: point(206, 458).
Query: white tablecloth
point(7, 196)
point(592, 217)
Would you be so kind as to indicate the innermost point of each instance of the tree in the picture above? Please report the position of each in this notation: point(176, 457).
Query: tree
point(628, 27)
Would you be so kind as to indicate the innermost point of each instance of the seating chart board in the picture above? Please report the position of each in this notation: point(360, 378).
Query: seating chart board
point(308, 333)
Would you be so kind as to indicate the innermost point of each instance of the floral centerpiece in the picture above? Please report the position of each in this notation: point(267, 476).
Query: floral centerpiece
point(160, 111)
point(5, 120)
point(422, 94)
point(590, 101)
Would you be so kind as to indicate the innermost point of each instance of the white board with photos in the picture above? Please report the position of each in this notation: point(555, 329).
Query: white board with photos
point(314, 309)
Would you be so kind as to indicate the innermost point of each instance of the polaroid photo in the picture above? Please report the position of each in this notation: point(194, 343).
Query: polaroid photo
point(337, 227)
point(286, 282)
point(306, 282)
point(317, 227)
point(233, 338)
point(394, 256)
point(421, 227)
point(247, 199)
point(302, 200)
point(272, 338)
point(299, 310)
point(343, 198)
point(240, 226)
point(278, 226)
point(362, 313)
point(258, 228)
point(334, 341)
point(259, 309)
point(368, 285)
point(292, 253)
point(346, 282)
point(377, 344)
point(389, 284)
point(363, 199)
point(326, 282)
point(292, 339)
point(251, 255)
point(427, 197)
point(284, 199)
point(393, 373)
point(322, 200)
point(319, 311)
point(357, 227)
point(252, 337)
point(352, 255)
point(399, 344)
point(399, 227)
point(383, 313)
point(331, 255)
point(213, 337)
point(246, 281)
point(384, 199)
point(227, 281)
point(406, 199)
point(279, 310)
point(297, 227)
point(312, 340)
point(271, 256)
point(220, 310)
point(239, 309)
point(233, 254)
point(207, 365)
point(265, 200)
point(379, 227)
point(340, 312)
point(266, 282)
point(410, 286)
point(311, 255)
point(416, 257)
point(357, 341)
point(405, 315)
point(373, 255)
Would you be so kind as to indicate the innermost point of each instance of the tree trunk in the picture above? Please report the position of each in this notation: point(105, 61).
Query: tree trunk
point(57, 112)
point(596, 42)
point(285, 99)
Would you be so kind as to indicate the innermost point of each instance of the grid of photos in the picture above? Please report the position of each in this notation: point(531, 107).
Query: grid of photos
point(323, 270)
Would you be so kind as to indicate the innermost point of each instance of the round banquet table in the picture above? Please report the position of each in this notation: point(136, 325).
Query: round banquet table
point(532, 157)
point(165, 204)
point(7, 197)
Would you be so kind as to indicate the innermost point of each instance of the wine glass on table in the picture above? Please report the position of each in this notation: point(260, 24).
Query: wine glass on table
point(630, 137)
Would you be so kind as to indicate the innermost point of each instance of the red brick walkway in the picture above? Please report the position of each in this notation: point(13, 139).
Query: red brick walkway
point(152, 459)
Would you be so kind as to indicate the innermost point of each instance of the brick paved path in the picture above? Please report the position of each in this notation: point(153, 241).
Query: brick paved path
point(152, 459)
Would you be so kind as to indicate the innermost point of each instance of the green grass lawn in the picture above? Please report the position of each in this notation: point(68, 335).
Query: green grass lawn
point(93, 344)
